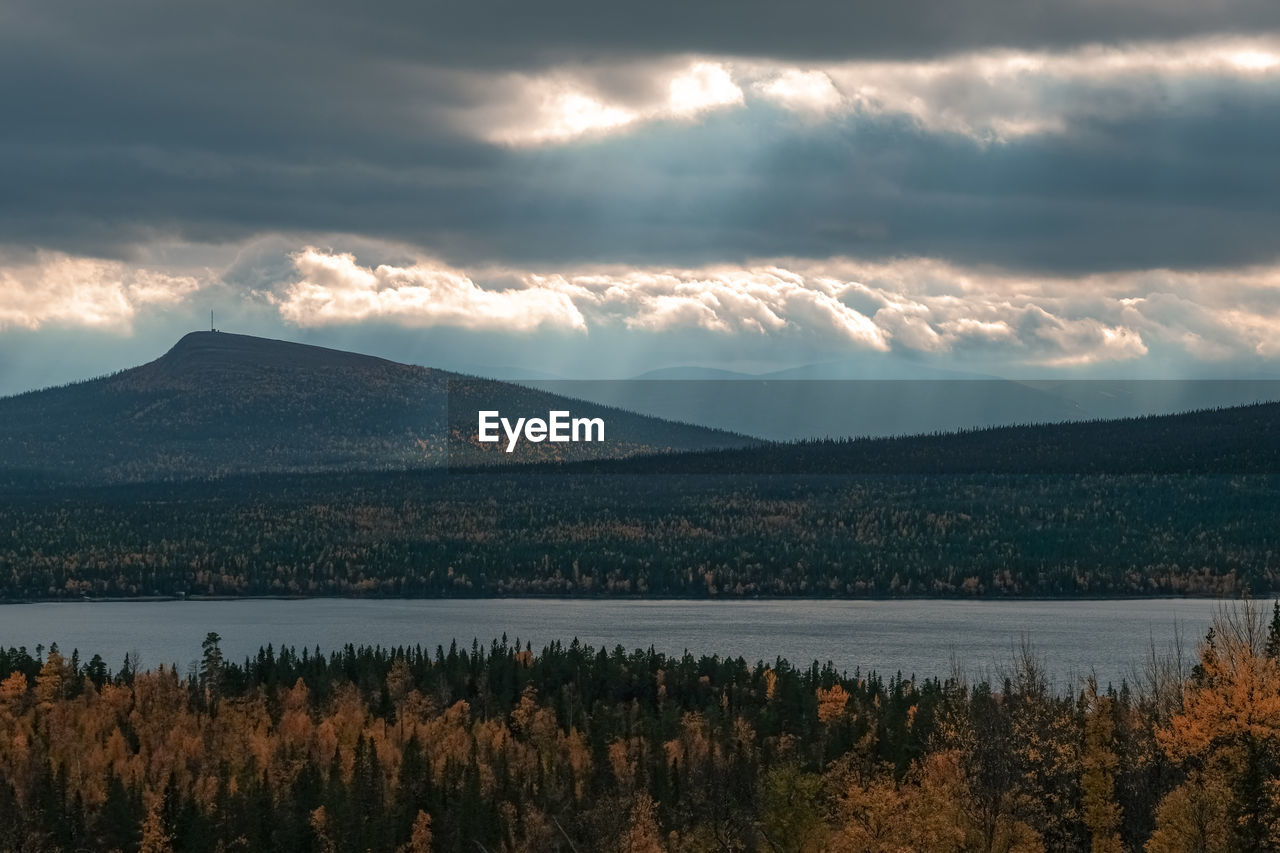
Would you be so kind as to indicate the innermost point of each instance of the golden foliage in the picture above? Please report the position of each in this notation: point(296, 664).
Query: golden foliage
point(1101, 812)
point(1227, 733)
point(320, 827)
point(933, 809)
point(642, 835)
point(420, 840)
point(155, 838)
point(1193, 816)
point(832, 703)
point(1236, 697)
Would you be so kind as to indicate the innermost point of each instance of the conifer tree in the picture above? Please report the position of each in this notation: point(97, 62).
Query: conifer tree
point(1273, 633)
point(211, 665)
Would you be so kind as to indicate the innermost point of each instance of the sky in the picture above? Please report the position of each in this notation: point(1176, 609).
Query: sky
point(1066, 187)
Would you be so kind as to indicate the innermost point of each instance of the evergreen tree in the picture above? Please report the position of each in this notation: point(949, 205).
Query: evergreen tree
point(119, 819)
point(211, 669)
point(1273, 633)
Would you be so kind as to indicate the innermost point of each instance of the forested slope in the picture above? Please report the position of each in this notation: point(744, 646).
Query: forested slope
point(1234, 440)
point(439, 535)
point(219, 404)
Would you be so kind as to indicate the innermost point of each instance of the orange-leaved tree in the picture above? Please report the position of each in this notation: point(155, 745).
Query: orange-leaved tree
point(1227, 738)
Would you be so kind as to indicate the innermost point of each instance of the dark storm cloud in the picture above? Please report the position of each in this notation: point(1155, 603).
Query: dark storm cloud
point(130, 122)
point(1140, 192)
point(518, 33)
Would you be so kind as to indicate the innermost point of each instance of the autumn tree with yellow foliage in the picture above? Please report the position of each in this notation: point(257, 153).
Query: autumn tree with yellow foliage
point(1227, 738)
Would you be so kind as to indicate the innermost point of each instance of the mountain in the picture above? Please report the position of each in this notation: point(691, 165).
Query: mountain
point(793, 409)
point(507, 372)
point(851, 399)
point(691, 372)
point(864, 367)
point(220, 403)
point(882, 368)
point(871, 395)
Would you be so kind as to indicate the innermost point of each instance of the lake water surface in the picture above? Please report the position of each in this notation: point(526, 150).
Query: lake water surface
point(913, 637)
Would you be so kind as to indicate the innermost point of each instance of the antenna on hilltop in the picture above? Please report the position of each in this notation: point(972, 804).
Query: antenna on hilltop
point(212, 328)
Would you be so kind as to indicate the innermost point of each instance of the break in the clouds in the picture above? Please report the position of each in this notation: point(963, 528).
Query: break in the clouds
point(559, 106)
point(1057, 184)
point(989, 96)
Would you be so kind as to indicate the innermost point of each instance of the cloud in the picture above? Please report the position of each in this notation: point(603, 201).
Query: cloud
point(703, 86)
point(1033, 160)
point(335, 289)
point(1062, 321)
point(508, 34)
point(755, 301)
point(54, 289)
point(1059, 183)
point(1063, 138)
point(990, 96)
point(999, 95)
point(915, 305)
point(803, 91)
point(621, 314)
point(560, 106)
point(555, 111)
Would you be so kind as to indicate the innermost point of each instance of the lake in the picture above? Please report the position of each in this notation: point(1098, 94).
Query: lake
point(920, 637)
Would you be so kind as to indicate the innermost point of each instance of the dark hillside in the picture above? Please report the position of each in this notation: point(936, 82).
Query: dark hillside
point(437, 534)
point(1238, 440)
point(219, 403)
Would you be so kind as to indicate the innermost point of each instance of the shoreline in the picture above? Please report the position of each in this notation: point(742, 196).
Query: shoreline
point(640, 599)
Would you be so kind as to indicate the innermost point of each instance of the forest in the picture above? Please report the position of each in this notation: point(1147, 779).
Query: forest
point(1209, 442)
point(433, 534)
point(500, 748)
